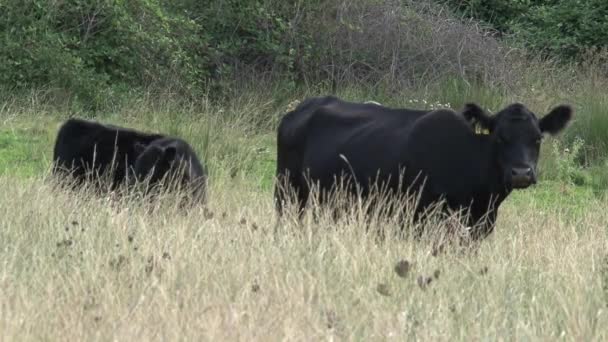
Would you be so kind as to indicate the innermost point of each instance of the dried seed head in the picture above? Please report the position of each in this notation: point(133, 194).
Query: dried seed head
point(332, 319)
point(149, 265)
point(65, 243)
point(383, 289)
point(438, 248)
point(424, 282)
point(402, 268)
point(118, 262)
point(208, 214)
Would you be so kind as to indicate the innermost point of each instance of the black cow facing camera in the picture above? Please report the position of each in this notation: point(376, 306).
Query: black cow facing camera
point(469, 160)
point(170, 161)
point(515, 135)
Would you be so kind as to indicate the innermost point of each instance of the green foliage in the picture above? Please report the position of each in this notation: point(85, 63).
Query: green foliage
point(590, 124)
point(558, 28)
point(457, 92)
point(565, 28)
point(22, 152)
point(96, 52)
point(100, 49)
point(87, 47)
point(566, 159)
point(497, 13)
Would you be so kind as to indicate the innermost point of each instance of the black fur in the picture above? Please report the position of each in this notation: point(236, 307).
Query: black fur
point(326, 137)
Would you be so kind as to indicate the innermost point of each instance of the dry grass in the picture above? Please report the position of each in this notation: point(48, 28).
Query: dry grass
point(76, 267)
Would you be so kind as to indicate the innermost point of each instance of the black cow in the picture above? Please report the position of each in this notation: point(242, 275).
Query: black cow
point(90, 151)
point(173, 161)
point(438, 154)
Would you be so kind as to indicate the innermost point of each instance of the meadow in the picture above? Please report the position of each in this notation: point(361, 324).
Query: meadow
point(75, 266)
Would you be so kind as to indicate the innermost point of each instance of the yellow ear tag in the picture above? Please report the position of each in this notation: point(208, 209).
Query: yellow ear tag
point(479, 130)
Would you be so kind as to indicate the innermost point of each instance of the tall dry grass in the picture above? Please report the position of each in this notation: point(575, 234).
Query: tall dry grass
point(75, 266)
point(80, 267)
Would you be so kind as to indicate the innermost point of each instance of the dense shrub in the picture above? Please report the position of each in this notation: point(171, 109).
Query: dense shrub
point(404, 43)
point(88, 46)
point(565, 28)
point(556, 28)
point(98, 49)
point(391, 43)
point(499, 14)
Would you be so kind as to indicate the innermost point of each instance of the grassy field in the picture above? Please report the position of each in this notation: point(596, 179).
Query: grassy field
point(79, 267)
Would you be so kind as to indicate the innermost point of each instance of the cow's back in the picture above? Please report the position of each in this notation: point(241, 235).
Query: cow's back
point(70, 138)
point(315, 115)
point(292, 126)
point(329, 137)
point(364, 140)
point(84, 146)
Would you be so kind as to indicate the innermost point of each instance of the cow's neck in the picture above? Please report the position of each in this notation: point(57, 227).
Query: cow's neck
point(495, 177)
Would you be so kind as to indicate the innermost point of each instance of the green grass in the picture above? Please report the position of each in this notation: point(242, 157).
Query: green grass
point(591, 124)
point(25, 151)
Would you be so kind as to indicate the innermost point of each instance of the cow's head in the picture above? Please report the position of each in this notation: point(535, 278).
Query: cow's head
point(516, 134)
point(154, 162)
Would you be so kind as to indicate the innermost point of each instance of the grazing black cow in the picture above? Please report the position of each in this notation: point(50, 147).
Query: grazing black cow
point(438, 154)
point(89, 150)
point(171, 160)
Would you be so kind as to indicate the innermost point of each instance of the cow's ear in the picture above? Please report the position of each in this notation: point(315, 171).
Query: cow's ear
point(475, 115)
point(170, 153)
point(139, 148)
point(556, 120)
point(149, 156)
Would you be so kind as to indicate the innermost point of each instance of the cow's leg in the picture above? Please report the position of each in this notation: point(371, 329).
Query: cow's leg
point(482, 223)
point(424, 207)
point(280, 194)
point(290, 187)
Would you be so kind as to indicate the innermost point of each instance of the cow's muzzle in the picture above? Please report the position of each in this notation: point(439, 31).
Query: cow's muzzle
point(522, 177)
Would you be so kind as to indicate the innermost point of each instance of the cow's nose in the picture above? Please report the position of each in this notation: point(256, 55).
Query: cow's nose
point(521, 172)
point(522, 177)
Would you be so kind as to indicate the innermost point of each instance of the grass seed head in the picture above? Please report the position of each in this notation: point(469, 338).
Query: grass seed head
point(402, 268)
point(383, 289)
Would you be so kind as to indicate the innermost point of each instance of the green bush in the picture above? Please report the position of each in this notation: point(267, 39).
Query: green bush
point(591, 124)
point(89, 46)
point(556, 28)
point(565, 28)
point(567, 168)
point(497, 13)
point(96, 51)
